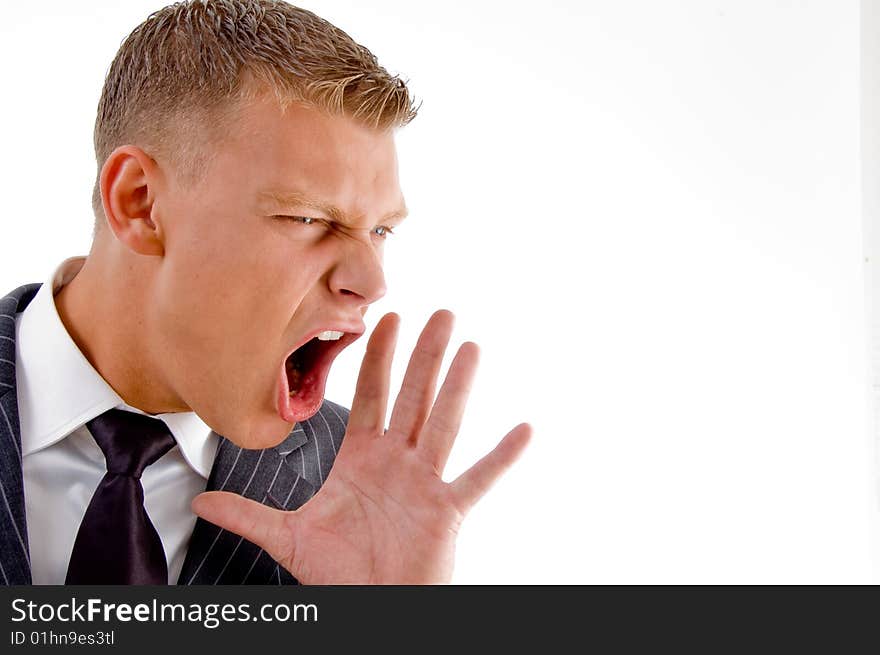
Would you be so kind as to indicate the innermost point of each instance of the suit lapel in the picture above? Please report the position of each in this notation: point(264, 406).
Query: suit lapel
point(269, 476)
point(15, 565)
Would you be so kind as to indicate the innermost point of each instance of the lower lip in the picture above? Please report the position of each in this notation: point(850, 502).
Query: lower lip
point(311, 394)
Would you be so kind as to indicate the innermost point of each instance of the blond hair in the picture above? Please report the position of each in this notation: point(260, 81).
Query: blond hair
point(187, 66)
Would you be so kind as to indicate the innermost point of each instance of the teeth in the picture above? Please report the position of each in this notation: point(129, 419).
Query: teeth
point(330, 335)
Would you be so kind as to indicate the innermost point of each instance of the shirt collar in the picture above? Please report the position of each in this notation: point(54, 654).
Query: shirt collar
point(59, 390)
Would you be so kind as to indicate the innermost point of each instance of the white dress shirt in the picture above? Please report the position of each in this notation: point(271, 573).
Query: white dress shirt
point(58, 392)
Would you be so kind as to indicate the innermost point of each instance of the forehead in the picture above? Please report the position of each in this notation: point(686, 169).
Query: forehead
point(303, 147)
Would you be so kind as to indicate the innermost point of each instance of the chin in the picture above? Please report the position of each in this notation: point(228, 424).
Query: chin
point(270, 432)
point(265, 430)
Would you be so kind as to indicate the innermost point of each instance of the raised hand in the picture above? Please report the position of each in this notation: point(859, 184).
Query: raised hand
point(383, 515)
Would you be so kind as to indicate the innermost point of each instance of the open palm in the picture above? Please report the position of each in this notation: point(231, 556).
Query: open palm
point(384, 515)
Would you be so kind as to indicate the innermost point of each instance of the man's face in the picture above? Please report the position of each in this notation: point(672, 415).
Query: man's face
point(247, 278)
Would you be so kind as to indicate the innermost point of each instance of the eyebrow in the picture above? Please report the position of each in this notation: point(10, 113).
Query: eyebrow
point(293, 198)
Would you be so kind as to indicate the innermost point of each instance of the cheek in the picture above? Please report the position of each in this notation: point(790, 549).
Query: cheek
point(223, 258)
point(210, 285)
point(232, 279)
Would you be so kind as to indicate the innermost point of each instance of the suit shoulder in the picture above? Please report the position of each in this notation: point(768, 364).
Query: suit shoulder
point(336, 415)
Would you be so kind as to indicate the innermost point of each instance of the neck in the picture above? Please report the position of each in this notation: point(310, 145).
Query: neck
point(105, 309)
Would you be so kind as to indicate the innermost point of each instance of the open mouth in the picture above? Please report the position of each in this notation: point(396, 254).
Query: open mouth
point(303, 375)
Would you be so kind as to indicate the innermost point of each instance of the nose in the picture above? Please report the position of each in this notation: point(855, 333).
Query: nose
point(359, 275)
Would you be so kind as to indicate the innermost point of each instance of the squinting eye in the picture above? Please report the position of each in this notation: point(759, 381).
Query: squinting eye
point(381, 231)
point(304, 220)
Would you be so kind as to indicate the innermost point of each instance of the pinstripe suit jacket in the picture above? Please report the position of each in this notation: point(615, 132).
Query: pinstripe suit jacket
point(284, 477)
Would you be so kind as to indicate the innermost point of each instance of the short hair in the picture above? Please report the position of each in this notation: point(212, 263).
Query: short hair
point(189, 66)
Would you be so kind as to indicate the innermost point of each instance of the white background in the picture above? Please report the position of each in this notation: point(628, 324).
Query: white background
point(648, 216)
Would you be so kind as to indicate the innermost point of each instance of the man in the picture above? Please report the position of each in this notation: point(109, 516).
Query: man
point(247, 183)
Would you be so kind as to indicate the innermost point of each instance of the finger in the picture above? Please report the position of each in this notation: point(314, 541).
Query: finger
point(473, 484)
point(437, 436)
point(265, 526)
point(420, 381)
point(371, 392)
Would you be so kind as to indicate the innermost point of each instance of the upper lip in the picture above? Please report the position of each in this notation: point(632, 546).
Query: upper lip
point(335, 326)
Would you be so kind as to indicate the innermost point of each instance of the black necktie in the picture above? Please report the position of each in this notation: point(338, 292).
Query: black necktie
point(116, 542)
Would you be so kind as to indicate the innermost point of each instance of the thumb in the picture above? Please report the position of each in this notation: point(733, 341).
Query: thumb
point(268, 528)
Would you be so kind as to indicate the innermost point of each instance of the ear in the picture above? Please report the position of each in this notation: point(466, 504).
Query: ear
point(129, 180)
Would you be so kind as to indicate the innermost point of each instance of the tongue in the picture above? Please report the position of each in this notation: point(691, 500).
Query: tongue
point(301, 365)
point(294, 378)
point(305, 378)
